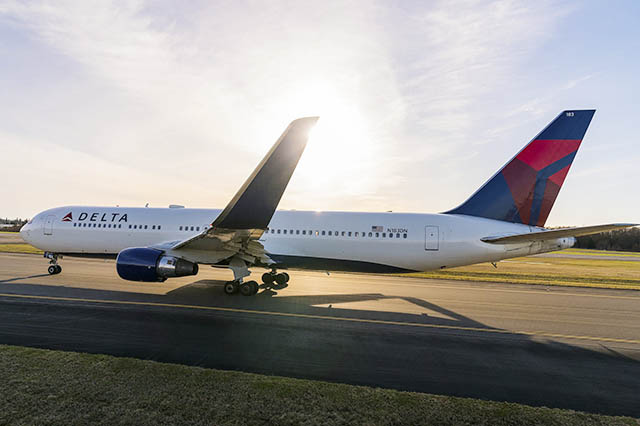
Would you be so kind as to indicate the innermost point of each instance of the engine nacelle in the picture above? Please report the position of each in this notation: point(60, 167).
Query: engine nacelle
point(149, 265)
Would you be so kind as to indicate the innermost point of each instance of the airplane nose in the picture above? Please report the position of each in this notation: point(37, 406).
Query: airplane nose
point(24, 231)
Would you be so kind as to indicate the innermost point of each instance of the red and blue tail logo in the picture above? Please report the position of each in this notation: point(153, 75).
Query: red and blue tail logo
point(526, 188)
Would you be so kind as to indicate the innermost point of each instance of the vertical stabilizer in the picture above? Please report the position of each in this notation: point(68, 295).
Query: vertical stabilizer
point(524, 190)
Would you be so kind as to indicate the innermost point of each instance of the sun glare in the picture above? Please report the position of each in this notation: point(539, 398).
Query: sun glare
point(337, 145)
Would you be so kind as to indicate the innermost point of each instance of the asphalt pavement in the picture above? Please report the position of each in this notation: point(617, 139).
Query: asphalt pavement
point(560, 347)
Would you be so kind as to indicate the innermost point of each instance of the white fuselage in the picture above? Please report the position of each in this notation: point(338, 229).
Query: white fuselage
point(334, 240)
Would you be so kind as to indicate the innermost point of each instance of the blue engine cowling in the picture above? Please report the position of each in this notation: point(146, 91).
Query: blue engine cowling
point(149, 265)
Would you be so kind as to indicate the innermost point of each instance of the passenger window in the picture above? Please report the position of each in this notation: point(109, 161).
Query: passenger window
point(323, 232)
point(349, 233)
point(304, 232)
point(180, 229)
point(297, 232)
point(192, 228)
point(398, 235)
point(291, 231)
point(370, 234)
point(343, 233)
point(135, 226)
point(197, 228)
point(377, 234)
point(153, 227)
point(145, 227)
point(336, 233)
point(317, 232)
point(404, 235)
point(284, 231)
point(329, 232)
point(159, 226)
point(356, 233)
point(384, 235)
point(74, 225)
point(390, 235)
point(278, 231)
point(119, 226)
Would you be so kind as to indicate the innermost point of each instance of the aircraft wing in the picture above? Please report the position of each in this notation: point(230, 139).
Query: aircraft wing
point(555, 233)
point(238, 227)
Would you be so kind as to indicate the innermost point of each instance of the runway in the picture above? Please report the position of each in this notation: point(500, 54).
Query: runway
point(555, 346)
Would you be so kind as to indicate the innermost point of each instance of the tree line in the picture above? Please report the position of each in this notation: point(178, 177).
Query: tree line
point(620, 240)
point(11, 225)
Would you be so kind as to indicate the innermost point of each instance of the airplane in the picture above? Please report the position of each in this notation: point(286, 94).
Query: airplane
point(503, 219)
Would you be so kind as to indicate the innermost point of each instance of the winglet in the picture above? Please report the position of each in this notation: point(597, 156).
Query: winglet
point(256, 201)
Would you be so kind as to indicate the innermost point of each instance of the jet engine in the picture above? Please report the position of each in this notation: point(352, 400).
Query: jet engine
point(149, 265)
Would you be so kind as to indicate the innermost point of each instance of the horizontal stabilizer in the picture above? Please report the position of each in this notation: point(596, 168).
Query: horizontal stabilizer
point(556, 233)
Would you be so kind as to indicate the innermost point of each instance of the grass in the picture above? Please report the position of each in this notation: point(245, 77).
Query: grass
point(19, 248)
point(587, 272)
point(52, 387)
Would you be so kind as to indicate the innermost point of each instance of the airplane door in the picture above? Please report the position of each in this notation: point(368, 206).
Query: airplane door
point(431, 238)
point(48, 225)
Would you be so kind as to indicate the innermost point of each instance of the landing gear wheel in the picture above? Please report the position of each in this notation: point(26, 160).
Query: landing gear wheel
point(58, 269)
point(286, 277)
point(268, 278)
point(249, 288)
point(231, 287)
point(52, 269)
point(281, 278)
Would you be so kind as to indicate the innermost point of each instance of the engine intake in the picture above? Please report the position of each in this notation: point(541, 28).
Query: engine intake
point(150, 265)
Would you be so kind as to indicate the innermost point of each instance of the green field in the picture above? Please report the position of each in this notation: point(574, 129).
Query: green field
point(588, 272)
point(52, 387)
point(19, 248)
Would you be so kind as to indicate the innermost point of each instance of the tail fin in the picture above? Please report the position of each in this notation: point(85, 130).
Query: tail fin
point(524, 190)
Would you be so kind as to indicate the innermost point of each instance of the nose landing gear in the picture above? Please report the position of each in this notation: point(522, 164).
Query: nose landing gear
point(53, 268)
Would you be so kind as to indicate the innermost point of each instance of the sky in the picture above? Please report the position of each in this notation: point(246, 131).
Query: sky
point(128, 103)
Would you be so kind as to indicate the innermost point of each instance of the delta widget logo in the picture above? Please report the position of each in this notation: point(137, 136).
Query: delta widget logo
point(68, 218)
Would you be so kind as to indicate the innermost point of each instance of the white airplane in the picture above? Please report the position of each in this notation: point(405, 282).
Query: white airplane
point(503, 219)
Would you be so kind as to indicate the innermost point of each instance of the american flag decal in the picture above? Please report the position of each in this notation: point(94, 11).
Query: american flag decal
point(377, 228)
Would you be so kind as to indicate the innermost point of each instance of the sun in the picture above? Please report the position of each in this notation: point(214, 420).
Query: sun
point(337, 146)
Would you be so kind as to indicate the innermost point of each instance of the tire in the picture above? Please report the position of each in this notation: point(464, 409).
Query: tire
point(246, 289)
point(58, 269)
point(267, 278)
point(52, 270)
point(230, 287)
point(254, 288)
point(286, 276)
point(281, 279)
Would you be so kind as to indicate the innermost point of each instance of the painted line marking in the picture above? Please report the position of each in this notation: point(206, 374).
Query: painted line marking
point(326, 317)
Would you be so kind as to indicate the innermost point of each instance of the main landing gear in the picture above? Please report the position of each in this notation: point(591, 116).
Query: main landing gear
point(250, 288)
point(279, 278)
point(53, 268)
